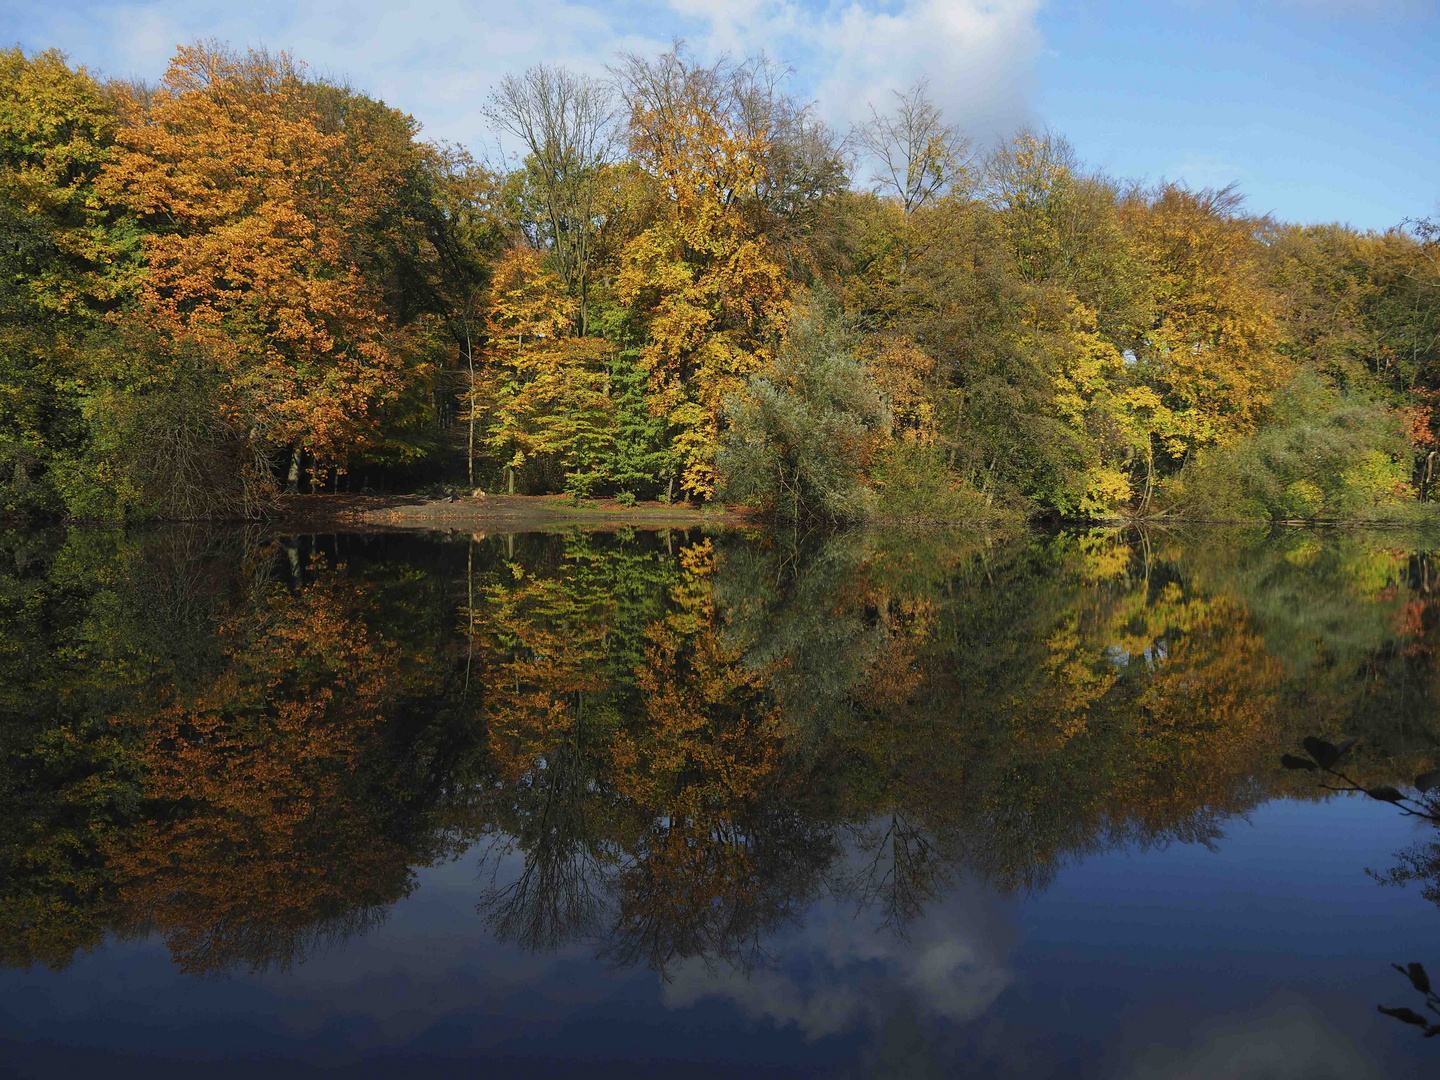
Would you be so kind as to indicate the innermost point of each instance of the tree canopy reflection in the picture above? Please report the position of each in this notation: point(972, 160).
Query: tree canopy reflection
point(664, 745)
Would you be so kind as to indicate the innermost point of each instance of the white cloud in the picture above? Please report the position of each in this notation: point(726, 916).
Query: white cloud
point(439, 60)
point(978, 56)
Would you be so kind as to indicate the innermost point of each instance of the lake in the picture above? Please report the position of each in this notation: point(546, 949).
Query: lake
point(713, 804)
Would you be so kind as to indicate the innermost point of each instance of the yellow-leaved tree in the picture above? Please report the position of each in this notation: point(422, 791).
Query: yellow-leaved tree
point(702, 277)
point(548, 394)
point(1213, 349)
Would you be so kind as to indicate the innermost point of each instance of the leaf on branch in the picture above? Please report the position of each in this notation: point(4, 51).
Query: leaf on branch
point(1425, 781)
point(1384, 794)
point(1291, 761)
point(1404, 1015)
point(1326, 754)
point(1415, 972)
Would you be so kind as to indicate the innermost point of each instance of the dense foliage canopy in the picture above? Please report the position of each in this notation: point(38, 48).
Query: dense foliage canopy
point(683, 286)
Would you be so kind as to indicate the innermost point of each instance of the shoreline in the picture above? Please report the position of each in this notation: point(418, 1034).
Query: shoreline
point(329, 512)
point(492, 513)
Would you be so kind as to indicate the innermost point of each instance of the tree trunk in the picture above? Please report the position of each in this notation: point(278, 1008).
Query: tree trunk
point(469, 611)
point(292, 481)
point(1149, 477)
point(470, 453)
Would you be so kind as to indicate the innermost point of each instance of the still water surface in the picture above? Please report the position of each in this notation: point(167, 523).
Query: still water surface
point(654, 804)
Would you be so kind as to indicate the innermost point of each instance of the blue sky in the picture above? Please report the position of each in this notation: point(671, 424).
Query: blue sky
point(1321, 110)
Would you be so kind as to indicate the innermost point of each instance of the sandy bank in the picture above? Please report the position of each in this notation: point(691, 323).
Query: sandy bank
point(491, 513)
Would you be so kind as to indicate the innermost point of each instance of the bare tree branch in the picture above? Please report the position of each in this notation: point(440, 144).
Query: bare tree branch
point(567, 123)
point(917, 156)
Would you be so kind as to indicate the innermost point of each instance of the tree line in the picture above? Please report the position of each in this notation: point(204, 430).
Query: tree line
point(245, 279)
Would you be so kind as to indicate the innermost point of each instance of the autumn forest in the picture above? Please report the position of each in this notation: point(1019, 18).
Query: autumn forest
point(246, 279)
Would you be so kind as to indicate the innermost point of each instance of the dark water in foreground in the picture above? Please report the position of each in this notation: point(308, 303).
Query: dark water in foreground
point(642, 804)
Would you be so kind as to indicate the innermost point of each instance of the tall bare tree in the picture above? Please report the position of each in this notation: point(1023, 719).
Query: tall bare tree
point(916, 155)
point(804, 162)
point(567, 124)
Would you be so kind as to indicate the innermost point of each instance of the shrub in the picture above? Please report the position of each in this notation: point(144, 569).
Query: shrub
point(26, 489)
point(1325, 455)
point(802, 433)
point(912, 483)
point(166, 450)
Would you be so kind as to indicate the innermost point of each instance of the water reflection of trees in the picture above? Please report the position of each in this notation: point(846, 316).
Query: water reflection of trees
point(660, 745)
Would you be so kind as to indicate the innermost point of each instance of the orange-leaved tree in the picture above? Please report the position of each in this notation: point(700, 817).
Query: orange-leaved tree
point(261, 192)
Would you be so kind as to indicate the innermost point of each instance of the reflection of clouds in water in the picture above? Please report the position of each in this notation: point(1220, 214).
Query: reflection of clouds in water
point(840, 970)
point(433, 960)
point(1285, 1040)
point(843, 968)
